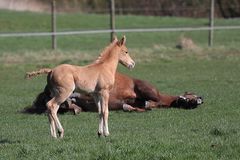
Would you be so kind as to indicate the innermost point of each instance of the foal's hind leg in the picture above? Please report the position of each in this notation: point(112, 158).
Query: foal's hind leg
point(52, 126)
point(52, 114)
point(53, 106)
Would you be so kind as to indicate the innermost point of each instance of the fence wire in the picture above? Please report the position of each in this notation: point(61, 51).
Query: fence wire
point(117, 31)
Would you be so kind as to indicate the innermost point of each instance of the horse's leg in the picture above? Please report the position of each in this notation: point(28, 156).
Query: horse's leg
point(129, 108)
point(71, 105)
point(52, 114)
point(153, 104)
point(98, 99)
point(105, 112)
point(53, 106)
point(77, 109)
point(52, 126)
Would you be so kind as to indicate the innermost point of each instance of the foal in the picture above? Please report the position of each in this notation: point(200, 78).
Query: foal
point(95, 79)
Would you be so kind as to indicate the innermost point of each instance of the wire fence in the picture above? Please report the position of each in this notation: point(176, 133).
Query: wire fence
point(112, 29)
point(66, 33)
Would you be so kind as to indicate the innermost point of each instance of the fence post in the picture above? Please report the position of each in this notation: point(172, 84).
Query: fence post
point(53, 24)
point(112, 18)
point(211, 24)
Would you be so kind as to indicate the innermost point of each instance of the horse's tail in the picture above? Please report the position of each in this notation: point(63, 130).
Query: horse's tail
point(29, 75)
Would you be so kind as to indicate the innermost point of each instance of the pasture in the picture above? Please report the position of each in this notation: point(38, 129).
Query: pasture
point(211, 131)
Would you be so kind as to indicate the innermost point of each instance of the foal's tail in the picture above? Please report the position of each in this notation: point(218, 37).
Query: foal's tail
point(29, 75)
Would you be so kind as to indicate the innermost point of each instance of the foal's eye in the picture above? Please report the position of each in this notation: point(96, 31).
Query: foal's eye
point(126, 52)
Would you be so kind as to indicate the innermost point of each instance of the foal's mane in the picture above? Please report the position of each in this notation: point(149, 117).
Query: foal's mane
point(105, 53)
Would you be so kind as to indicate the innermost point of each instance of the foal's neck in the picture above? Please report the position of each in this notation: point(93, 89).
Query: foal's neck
point(111, 62)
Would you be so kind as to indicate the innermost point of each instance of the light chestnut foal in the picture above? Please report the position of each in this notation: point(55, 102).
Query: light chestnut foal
point(96, 79)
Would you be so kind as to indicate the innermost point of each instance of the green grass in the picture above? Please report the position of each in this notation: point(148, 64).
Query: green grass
point(208, 132)
point(211, 131)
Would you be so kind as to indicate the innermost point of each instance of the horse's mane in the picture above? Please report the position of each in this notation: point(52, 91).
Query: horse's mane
point(105, 53)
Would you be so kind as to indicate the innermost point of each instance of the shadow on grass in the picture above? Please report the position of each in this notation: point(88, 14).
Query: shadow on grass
point(6, 141)
point(39, 106)
point(40, 110)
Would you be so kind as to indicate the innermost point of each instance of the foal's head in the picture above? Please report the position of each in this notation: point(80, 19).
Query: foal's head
point(124, 57)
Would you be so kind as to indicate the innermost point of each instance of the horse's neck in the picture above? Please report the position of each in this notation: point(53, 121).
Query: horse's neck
point(167, 99)
point(111, 62)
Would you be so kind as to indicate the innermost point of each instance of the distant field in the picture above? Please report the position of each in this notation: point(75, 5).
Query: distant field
point(211, 131)
point(40, 22)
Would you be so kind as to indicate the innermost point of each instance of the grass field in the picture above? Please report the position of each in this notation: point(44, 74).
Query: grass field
point(211, 131)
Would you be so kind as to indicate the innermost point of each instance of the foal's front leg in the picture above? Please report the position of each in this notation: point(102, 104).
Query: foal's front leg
point(98, 101)
point(101, 101)
point(105, 111)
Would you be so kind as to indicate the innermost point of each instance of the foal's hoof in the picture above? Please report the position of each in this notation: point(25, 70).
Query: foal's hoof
point(106, 134)
point(54, 136)
point(60, 133)
point(103, 134)
point(99, 134)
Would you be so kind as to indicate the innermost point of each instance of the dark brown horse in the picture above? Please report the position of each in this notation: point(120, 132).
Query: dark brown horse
point(127, 94)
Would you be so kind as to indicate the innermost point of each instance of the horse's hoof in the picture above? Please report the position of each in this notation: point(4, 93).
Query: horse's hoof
point(99, 134)
point(61, 133)
point(54, 136)
point(77, 111)
point(106, 134)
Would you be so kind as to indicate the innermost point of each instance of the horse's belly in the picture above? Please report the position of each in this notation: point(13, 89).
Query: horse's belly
point(84, 87)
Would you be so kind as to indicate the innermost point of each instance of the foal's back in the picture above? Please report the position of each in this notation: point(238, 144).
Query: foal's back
point(71, 77)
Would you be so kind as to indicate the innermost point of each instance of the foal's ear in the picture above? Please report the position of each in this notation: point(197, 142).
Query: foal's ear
point(123, 41)
point(114, 38)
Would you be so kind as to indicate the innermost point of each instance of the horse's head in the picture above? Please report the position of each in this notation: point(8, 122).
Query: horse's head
point(124, 57)
point(188, 101)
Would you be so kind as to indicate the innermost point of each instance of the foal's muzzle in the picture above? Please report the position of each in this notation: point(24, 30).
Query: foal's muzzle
point(131, 66)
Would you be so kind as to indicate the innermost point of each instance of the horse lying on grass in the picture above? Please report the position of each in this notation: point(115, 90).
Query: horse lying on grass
point(96, 79)
point(128, 94)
